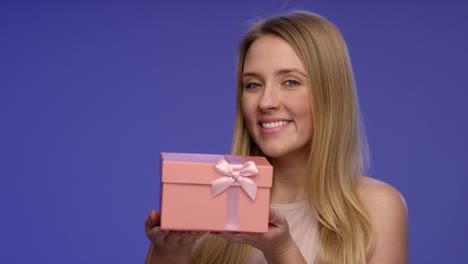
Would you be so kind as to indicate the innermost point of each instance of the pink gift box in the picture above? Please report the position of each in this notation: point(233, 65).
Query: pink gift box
point(205, 192)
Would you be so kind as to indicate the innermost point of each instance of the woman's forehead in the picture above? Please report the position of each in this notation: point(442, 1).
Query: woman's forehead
point(271, 53)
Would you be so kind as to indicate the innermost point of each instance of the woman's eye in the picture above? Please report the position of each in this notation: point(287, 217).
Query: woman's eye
point(251, 85)
point(292, 83)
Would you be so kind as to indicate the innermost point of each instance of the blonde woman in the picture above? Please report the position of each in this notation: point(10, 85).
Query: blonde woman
point(297, 106)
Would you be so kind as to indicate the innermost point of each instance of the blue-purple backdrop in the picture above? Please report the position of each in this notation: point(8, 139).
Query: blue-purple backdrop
point(90, 93)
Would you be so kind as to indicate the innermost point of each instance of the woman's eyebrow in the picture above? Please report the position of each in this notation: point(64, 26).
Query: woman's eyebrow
point(250, 74)
point(290, 70)
point(278, 72)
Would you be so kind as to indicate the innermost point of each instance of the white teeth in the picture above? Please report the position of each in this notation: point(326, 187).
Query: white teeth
point(275, 124)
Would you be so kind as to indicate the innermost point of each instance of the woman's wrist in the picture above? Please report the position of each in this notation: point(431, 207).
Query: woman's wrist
point(158, 257)
point(288, 254)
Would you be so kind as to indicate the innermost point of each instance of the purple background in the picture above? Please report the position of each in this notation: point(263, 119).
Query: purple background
point(90, 93)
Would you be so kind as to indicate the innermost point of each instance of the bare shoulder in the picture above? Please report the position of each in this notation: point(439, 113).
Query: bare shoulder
point(383, 196)
point(388, 211)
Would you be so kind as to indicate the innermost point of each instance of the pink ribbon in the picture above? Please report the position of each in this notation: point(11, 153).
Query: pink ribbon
point(235, 175)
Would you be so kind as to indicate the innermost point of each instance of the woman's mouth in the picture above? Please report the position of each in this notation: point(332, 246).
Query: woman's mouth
point(274, 124)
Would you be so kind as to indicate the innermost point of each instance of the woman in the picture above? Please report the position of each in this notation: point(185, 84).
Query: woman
point(297, 105)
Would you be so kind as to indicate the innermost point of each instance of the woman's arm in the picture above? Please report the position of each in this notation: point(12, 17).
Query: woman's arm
point(168, 246)
point(277, 244)
point(388, 212)
point(290, 254)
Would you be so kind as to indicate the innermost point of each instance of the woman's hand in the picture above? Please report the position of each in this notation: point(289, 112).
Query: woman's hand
point(168, 246)
point(277, 244)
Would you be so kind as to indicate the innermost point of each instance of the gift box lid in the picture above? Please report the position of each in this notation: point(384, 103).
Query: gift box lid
point(193, 168)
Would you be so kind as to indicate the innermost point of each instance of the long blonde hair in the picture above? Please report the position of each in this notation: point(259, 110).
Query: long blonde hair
point(338, 149)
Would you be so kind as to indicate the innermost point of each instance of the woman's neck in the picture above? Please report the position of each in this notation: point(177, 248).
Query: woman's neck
point(288, 180)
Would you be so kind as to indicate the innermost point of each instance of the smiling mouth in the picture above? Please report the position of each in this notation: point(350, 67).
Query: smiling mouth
point(274, 124)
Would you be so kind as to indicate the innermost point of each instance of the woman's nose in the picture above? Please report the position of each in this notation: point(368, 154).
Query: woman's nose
point(270, 100)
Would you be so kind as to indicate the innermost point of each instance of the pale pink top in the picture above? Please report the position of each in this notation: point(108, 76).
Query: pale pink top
point(303, 229)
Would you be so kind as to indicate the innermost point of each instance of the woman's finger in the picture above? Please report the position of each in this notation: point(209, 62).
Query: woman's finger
point(232, 237)
point(276, 218)
point(173, 237)
point(152, 220)
point(188, 239)
point(198, 235)
point(156, 235)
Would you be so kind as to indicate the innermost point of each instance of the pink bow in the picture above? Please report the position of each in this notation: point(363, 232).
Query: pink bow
point(235, 175)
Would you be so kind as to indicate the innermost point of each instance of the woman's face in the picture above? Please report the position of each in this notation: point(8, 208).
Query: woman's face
point(275, 98)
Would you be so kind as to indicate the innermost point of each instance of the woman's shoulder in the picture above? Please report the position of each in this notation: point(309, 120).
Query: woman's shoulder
point(378, 195)
point(388, 212)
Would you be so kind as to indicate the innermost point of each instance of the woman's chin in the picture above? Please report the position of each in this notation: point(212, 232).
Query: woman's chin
point(273, 153)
